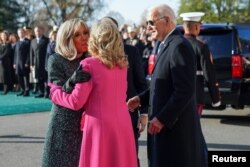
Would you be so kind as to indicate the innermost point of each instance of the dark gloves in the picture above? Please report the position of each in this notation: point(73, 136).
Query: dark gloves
point(78, 76)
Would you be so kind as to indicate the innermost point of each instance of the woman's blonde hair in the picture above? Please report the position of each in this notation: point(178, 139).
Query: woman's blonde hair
point(105, 42)
point(64, 39)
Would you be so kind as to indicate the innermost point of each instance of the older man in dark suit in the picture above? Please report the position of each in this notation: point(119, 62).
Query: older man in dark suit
point(174, 138)
point(38, 51)
point(22, 61)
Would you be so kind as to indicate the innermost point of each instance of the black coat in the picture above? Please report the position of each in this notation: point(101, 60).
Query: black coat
point(21, 57)
point(205, 71)
point(64, 136)
point(137, 43)
point(173, 103)
point(38, 55)
point(50, 50)
point(136, 80)
point(5, 66)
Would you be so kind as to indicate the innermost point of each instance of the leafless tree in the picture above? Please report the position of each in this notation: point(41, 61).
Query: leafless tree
point(61, 10)
point(54, 12)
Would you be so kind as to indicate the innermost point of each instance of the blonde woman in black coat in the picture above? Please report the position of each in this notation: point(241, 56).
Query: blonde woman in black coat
point(64, 137)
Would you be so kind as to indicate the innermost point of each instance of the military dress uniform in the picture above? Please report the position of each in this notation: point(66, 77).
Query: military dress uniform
point(135, 41)
point(205, 71)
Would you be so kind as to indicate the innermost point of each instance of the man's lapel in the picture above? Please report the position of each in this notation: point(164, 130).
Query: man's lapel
point(165, 46)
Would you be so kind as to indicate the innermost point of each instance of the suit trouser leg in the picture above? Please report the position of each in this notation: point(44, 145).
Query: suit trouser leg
point(35, 89)
point(46, 87)
point(21, 82)
point(137, 135)
point(26, 82)
point(134, 118)
point(204, 144)
point(41, 86)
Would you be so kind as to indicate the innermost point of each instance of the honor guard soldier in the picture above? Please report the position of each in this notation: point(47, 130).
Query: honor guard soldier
point(205, 73)
point(205, 68)
point(134, 40)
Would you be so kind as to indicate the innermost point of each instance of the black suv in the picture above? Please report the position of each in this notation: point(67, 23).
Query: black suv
point(230, 47)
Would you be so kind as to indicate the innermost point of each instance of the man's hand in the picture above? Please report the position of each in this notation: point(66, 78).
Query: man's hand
point(142, 122)
point(133, 103)
point(78, 76)
point(155, 126)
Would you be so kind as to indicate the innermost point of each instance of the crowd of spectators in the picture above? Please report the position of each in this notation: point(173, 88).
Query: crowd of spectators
point(24, 55)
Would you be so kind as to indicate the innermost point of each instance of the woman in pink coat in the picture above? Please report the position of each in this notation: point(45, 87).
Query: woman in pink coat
point(108, 136)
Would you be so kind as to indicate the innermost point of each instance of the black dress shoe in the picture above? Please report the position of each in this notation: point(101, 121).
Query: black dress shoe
point(26, 93)
point(46, 96)
point(20, 94)
point(5, 92)
point(5, 89)
point(39, 96)
point(34, 92)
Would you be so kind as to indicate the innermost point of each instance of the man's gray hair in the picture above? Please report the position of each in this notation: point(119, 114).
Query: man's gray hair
point(165, 10)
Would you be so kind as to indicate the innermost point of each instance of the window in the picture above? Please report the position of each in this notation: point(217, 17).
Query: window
point(220, 43)
point(244, 35)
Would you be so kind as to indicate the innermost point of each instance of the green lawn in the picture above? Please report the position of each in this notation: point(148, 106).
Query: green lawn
point(12, 104)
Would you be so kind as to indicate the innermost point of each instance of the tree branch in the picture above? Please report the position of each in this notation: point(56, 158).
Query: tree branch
point(50, 14)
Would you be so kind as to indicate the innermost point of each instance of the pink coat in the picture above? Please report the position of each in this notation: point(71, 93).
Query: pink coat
point(108, 139)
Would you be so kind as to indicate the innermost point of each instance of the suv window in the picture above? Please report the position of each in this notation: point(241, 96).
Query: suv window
point(244, 35)
point(218, 38)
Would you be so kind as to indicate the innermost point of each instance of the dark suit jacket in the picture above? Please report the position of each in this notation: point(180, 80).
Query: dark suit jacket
point(204, 65)
point(5, 66)
point(50, 50)
point(22, 51)
point(136, 79)
point(137, 43)
point(172, 100)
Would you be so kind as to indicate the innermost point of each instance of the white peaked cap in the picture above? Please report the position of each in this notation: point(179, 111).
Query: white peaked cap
point(192, 16)
point(55, 28)
point(131, 29)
